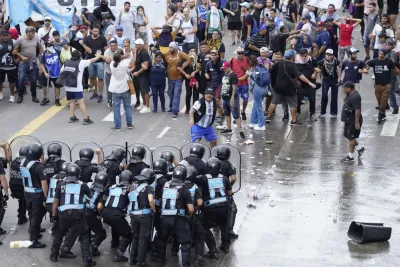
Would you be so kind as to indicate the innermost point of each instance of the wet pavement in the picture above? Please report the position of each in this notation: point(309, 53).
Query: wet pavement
point(312, 196)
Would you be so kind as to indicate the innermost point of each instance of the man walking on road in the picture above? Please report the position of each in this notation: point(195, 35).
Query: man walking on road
point(352, 118)
point(8, 65)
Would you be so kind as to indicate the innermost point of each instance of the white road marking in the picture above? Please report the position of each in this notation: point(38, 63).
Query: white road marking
point(110, 116)
point(391, 125)
point(164, 131)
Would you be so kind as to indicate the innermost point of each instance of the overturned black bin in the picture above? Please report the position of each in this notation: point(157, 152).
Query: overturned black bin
point(361, 232)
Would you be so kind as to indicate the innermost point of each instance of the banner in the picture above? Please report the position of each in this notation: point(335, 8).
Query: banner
point(21, 10)
point(325, 3)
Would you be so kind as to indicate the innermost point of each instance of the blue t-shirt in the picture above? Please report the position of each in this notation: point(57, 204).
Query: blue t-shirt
point(351, 69)
point(202, 15)
point(158, 74)
point(52, 63)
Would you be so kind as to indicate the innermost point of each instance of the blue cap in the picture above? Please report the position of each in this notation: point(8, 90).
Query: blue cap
point(119, 28)
point(262, 27)
point(289, 53)
point(64, 42)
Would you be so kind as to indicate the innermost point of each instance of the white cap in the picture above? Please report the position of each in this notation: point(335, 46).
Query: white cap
point(173, 45)
point(139, 41)
point(354, 50)
point(47, 18)
point(329, 51)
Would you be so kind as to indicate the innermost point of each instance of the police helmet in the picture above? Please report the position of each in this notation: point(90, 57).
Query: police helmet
point(138, 153)
point(23, 151)
point(146, 175)
point(100, 182)
point(223, 152)
point(197, 150)
point(64, 166)
point(54, 150)
point(160, 166)
point(179, 175)
point(35, 151)
point(119, 154)
point(168, 156)
point(191, 174)
point(184, 163)
point(73, 172)
point(86, 154)
point(126, 177)
point(213, 166)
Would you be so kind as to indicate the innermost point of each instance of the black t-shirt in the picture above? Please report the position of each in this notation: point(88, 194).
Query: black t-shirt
point(227, 169)
point(291, 8)
point(142, 56)
point(307, 70)
point(112, 168)
point(351, 104)
point(257, 12)
point(234, 6)
point(329, 71)
point(137, 168)
point(87, 169)
point(143, 196)
point(382, 70)
point(359, 11)
point(285, 71)
point(247, 20)
point(37, 173)
point(96, 44)
point(159, 187)
point(228, 81)
point(84, 191)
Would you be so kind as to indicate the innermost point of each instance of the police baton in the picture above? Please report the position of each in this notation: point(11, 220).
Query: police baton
point(126, 153)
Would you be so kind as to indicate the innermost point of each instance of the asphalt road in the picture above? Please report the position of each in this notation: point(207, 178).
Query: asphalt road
point(312, 196)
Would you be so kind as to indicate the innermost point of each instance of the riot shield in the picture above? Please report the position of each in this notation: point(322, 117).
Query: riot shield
point(65, 149)
point(185, 150)
point(236, 161)
point(8, 147)
point(148, 157)
point(85, 144)
point(20, 141)
point(109, 148)
point(176, 152)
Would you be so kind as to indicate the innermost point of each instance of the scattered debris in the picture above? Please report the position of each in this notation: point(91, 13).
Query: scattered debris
point(252, 157)
point(259, 163)
point(251, 205)
point(289, 158)
point(269, 142)
point(261, 153)
point(291, 141)
point(273, 166)
point(280, 182)
point(243, 153)
point(249, 142)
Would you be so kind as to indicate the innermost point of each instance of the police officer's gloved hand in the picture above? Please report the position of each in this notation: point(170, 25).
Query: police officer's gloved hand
point(54, 219)
point(5, 198)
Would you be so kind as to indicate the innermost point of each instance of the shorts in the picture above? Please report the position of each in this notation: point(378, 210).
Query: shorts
point(144, 37)
point(350, 132)
point(243, 92)
point(96, 70)
point(392, 10)
point(12, 75)
point(232, 26)
point(74, 95)
point(43, 81)
point(217, 92)
point(197, 132)
point(142, 84)
point(367, 41)
point(291, 100)
point(228, 109)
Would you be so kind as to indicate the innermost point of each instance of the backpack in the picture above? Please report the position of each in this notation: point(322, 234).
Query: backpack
point(254, 27)
point(262, 75)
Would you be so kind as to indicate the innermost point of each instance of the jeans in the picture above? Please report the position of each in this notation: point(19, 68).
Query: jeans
point(107, 79)
point(392, 98)
point(257, 114)
point(189, 91)
point(158, 91)
point(125, 98)
point(326, 84)
point(174, 93)
point(25, 69)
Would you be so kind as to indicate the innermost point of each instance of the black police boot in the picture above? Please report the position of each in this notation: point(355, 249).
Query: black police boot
point(94, 251)
point(114, 243)
point(37, 244)
point(22, 220)
point(120, 257)
point(53, 256)
point(224, 248)
point(89, 262)
point(213, 254)
point(67, 255)
point(233, 235)
point(2, 231)
point(199, 262)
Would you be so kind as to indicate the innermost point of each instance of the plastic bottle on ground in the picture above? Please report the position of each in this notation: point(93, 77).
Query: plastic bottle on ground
point(20, 244)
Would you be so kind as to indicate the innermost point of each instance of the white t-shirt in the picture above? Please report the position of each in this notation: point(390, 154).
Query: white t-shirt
point(307, 28)
point(127, 19)
point(82, 65)
point(119, 77)
point(110, 31)
point(188, 27)
point(376, 31)
point(42, 32)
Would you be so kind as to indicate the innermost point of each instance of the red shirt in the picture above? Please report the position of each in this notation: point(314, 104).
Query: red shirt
point(239, 67)
point(345, 34)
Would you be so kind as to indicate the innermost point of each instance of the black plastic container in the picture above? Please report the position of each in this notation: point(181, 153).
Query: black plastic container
point(361, 232)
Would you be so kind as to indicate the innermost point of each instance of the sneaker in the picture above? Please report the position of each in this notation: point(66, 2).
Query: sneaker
point(115, 128)
point(100, 99)
point(321, 115)
point(187, 112)
point(94, 96)
point(20, 99)
point(169, 111)
point(243, 116)
point(140, 107)
point(395, 111)
point(137, 104)
point(232, 44)
point(73, 119)
point(130, 126)
point(1, 95)
point(251, 126)
point(174, 116)
point(44, 102)
point(35, 100)
point(12, 99)
point(347, 159)
point(220, 127)
point(109, 105)
point(285, 117)
point(258, 128)
point(226, 131)
point(295, 123)
point(333, 116)
point(87, 121)
point(57, 102)
point(242, 135)
point(373, 77)
point(145, 110)
point(268, 120)
point(361, 151)
point(313, 117)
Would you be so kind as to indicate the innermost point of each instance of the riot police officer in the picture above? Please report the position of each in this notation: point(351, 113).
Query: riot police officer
point(69, 204)
point(3, 186)
point(35, 187)
point(53, 182)
point(114, 215)
point(170, 158)
point(17, 186)
point(136, 164)
point(175, 205)
point(53, 162)
point(112, 165)
point(85, 163)
point(215, 195)
point(228, 170)
point(141, 209)
point(195, 158)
